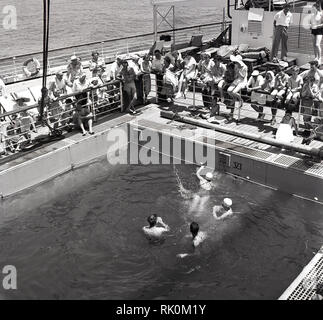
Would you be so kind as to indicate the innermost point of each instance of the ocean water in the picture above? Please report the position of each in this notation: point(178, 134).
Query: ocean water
point(80, 236)
point(76, 22)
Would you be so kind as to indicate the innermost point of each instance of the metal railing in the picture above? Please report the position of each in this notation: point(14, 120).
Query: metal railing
point(307, 117)
point(11, 67)
point(20, 126)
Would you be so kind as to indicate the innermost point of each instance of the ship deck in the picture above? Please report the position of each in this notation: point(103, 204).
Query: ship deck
point(303, 287)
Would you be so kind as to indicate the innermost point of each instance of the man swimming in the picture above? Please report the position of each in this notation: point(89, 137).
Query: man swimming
point(205, 183)
point(223, 211)
point(198, 238)
point(153, 231)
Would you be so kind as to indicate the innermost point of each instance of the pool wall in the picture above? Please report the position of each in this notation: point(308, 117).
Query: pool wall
point(273, 170)
point(276, 171)
point(55, 163)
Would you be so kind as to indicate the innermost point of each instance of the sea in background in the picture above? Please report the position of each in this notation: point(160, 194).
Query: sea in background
point(77, 22)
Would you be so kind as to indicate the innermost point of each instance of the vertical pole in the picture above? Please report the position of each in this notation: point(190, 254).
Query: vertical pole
point(194, 90)
point(14, 65)
point(102, 50)
point(93, 106)
point(298, 116)
point(121, 96)
point(155, 21)
point(269, 5)
point(174, 42)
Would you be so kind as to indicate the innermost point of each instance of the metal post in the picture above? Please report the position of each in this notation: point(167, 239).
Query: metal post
point(102, 49)
point(194, 89)
point(93, 106)
point(174, 42)
point(14, 65)
point(156, 88)
point(298, 116)
point(121, 97)
point(155, 21)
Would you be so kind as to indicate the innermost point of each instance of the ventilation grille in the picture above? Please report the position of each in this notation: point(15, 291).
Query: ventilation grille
point(255, 27)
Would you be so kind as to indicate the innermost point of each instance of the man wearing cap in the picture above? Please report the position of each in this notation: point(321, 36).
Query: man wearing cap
point(96, 64)
point(57, 87)
point(223, 211)
point(205, 183)
point(116, 68)
point(74, 69)
point(282, 21)
point(255, 83)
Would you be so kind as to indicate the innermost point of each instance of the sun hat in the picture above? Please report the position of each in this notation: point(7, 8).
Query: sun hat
point(255, 73)
point(19, 97)
point(73, 57)
point(209, 176)
point(227, 202)
point(237, 58)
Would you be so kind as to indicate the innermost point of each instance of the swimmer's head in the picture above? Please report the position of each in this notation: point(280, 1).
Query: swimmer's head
point(209, 176)
point(227, 203)
point(152, 220)
point(194, 228)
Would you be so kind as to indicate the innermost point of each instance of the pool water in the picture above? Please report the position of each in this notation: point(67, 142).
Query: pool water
point(80, 236)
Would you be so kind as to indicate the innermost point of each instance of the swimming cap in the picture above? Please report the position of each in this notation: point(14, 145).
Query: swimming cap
point(227, 202)
point(209, 176)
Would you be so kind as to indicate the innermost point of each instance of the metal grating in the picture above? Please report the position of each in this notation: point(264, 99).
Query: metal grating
point(233, 147)
point(255, 27)
point(303, 287)
point(286, 160)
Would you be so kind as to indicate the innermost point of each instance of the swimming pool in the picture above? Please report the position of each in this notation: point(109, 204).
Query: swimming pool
point(79, 237)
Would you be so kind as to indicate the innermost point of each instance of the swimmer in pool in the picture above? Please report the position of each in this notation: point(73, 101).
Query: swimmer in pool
point(223, 211)
point(198, 238)
point(156, 227)
point(205, 183)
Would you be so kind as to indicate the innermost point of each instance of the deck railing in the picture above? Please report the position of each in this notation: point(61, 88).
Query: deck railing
point(101, 100)
point(11, 67)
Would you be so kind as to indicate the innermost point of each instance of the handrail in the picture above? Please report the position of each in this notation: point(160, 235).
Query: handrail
point(113, 39)
point(62, 97)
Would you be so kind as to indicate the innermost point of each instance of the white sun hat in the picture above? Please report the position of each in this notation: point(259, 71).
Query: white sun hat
point(209, 176)
point(227, 202)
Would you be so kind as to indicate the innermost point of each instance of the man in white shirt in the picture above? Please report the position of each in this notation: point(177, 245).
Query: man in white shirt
point(282, 21)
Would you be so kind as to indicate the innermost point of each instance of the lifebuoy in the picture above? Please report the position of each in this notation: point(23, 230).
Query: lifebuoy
point(31, 67)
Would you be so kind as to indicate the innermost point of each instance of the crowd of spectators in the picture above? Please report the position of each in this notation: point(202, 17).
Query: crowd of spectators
point(74, 98)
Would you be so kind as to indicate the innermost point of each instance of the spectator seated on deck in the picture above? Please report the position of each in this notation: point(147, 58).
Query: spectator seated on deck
point(170, 80)
point(189, 73)
point(205, 79)
point(83, 116)
point(311, 101)
point(294, 86)
point(239, 82)
point(56, 108)
point(279, 93)
point(254, 86)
